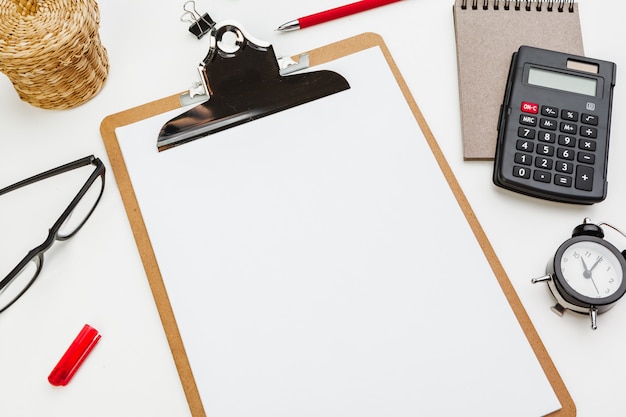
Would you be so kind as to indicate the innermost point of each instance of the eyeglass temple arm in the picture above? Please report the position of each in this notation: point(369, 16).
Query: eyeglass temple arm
point(50, 173)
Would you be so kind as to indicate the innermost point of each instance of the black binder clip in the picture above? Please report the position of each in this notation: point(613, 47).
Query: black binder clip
point(244, 82)
point(200, 24)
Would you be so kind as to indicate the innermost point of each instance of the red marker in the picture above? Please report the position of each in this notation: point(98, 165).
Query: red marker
point(74, 356)
point(336, 13)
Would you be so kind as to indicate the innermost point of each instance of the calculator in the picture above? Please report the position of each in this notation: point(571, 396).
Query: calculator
point(554, 126)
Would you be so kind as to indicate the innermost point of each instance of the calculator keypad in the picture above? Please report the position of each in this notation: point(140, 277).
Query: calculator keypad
point(556, 146)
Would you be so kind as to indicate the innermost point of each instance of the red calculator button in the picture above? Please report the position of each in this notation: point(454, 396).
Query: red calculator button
point(528, 107)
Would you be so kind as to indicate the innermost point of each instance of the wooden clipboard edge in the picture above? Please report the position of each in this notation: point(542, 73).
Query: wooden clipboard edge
point(568, 408)
point(140, 233)
point(317, 56)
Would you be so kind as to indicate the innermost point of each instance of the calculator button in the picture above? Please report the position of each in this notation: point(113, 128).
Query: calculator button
point(589, 132)
point(569, 115)
point(522, 158)
point(527, 120)
point(590, 119)
point(547, 124)
point(528, 107)
point(567, 127)
point(521, 172)
point(542, 176)
point(567, 140)
point(564, 153)
point(563, 180)
point(587, 158)
point(524, 145)
point(587, 145)
point(524, 132)
point(549, 111)
point(544, 163)
point(549, 137)
point(564, 167)
point(546, 150)
point(584, 178)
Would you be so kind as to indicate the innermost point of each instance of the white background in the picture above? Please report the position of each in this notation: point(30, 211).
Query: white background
point(98, 278)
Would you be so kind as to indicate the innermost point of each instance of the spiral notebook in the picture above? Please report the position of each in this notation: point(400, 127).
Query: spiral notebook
point(487, 34)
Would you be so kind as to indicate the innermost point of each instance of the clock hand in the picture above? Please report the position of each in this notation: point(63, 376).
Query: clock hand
point(594, 284)
point(587, 272)
point(596, 264)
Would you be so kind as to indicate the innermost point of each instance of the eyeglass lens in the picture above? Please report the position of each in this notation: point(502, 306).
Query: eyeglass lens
point(83, 209)
point(20, 283)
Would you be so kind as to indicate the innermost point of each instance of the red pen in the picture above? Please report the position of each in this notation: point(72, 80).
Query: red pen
point(74, 356)
point(336, 13)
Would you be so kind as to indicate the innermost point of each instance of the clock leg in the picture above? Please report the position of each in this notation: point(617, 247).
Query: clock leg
point(558, 309)
point(593, 314)
point(541, 279)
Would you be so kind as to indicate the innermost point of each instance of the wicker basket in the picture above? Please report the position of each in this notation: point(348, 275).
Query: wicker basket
point(51, 51)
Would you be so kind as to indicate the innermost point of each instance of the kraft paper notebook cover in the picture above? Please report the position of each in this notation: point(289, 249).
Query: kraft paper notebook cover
point(302, 266)
point(488, 32)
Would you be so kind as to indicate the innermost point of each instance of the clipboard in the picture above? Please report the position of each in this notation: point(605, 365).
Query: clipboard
point(317, 57)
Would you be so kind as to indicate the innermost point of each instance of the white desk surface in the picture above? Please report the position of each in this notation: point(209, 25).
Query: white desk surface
point(98, 277)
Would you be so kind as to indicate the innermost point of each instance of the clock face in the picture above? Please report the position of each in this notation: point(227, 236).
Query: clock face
point(591, 269)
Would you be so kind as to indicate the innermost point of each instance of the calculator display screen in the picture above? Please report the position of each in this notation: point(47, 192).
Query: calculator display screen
point(561, 81)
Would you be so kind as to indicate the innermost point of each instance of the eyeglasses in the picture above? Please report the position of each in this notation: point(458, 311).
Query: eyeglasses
point(14, 285)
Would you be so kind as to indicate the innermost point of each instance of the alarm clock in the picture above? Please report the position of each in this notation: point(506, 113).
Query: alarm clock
point(587, 274)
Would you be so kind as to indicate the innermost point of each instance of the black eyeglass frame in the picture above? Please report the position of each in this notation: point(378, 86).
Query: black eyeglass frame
point(36, 254)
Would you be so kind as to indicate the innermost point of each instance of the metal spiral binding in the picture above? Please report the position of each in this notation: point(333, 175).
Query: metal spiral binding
point(518, 4)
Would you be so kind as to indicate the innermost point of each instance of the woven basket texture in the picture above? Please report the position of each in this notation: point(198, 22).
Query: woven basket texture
point(51, 51)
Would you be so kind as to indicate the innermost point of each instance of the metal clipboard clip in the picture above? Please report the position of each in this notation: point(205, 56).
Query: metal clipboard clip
point(244, 81)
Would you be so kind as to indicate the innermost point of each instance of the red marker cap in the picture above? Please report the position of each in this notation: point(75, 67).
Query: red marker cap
point(74, 356)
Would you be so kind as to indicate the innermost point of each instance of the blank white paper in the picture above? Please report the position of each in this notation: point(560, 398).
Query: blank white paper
point(317, 263)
